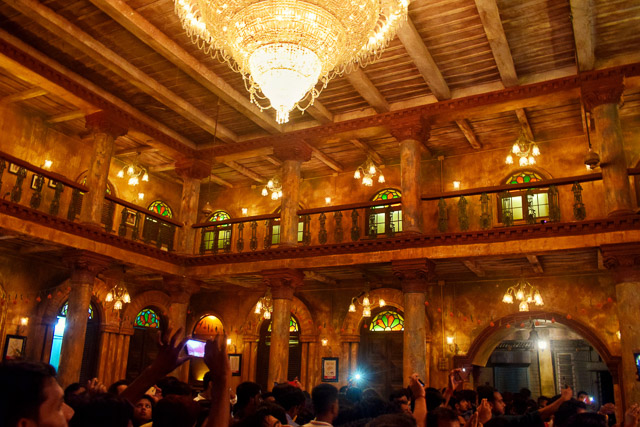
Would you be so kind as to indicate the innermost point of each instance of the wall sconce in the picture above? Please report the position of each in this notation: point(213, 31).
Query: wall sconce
point(47, 164)
point(456, 185)
point(245, 211)
point(141, 196)
point(327, 200)
point(230, 347)
point(324, 342)
point(542, 345)
point(451, 343)
point(24, 321)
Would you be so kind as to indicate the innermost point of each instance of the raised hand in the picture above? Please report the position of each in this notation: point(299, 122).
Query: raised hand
point(216, 358)
point(566, 394)
point(416, 388)
point(169, 348)
point(484, 411)
point(632, 415)
point(94, 386)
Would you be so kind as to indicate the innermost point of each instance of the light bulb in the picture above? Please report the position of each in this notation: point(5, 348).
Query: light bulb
point(279, 194)
point(523, 306)
point(118, 305)
point(127, 298)
point(145, 177)
point(542, 345)
point(121, 174)
point(372, 169)
point(274, 195)
point(515, 149)
point(456, 185)
point(523, 161)
point(24, 321)
point(352, 308)
point(367, 181)
point(130, 170)
point(258, 306)
point(381, 179)
point(520, 295)
point(109, 297)
point(327, 200)
point(267, 315)
point(366, 312)
point(270, 183)
point(228, 341)
point(357, 174)
point(265, 192)
point(449, 340)
point(325, 342)
point(140, 196)
point(588, 167)
point(47, 164)
point(535, 150)
point(365, 301)
point(245, 211)
point(507, 298)
point(509, 160)
point(532, 160)
point(382, 303)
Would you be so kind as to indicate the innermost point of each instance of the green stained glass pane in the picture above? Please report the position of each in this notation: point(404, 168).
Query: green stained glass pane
point(524, 178)
point(161, 208)
point(387, 320)
point(219, 216)
point(65, 309)
point(147, 318)
point(293, 325)
point(387, 194)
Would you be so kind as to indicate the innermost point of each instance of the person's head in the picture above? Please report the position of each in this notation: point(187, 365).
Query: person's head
point(433, 398)
point(400, 398)
point(73, 389)
point(587, 419)
point(103, 410)
point(31, 397)
point(249, 397)
point(175, 411)
point(543, 401)
point(325, 401)
point(266, 415)
point(525, 393)
point(118, 387)
point(292, 401)
point(143, 410)
point(493, 397)
point(567, 410)
point(583, 396)
point(171, 386)
point(354, 394)
point(206, 383)
point(442, 417)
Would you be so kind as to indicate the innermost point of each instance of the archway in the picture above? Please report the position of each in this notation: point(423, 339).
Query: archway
point(143, 347)
point(295, 352)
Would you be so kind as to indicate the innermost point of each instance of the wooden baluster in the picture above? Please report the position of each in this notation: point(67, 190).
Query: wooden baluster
point(111, 208)
point(75, 205)
point(146, 230)
point(443, 223)
point(579, 210)
point(306, 230)
point(227, 240)
point(355, 228)
point(253, 243)
point(322, 234)
point(203, 234)
point(531, 210)
point(171, 234)
point(507, 209)
point(485, 216)
point(136, 227)
point(390, 230)
point(554, 204)
point(122, 228)
point(3, 165)
point(338, 233)
point(268, 234)
point(463, 216)
point(214, 243)
point(36, 196)
point(54, 207)
point(240, 241)
point(372, 229)
point(159, 236)
point(16, 192)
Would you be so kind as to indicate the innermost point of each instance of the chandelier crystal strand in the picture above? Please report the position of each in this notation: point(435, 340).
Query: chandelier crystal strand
point(283, 48)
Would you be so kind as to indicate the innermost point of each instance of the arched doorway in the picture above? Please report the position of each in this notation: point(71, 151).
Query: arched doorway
point(91, 342)
point(380, 352)
point(143, 347)
point(205, 329)
point(295, 352)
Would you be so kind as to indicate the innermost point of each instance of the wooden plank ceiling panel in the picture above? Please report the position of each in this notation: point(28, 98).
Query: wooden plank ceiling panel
point(616, 27)
point(10, 85)
point(497, 130)
point(48, 105)
point(339, 96)
point(557, 121)
point(539, 33)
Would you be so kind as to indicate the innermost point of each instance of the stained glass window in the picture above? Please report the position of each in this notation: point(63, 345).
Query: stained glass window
point(519, 204)
point(65, 307)
point(524, 178)
point(377, 217)
point(293, 325)
point(219, 216)
point(208, 325)
point(161, 208)
point(387, 321)
point(147, 318)
point(223, 237)
point(387, 194)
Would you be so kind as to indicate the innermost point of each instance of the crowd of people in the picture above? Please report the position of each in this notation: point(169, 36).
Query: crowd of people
point(31, 396)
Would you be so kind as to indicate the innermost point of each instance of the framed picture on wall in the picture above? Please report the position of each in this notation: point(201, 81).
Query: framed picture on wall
point(53, 184)
point(14, 347)
point(330, 369)
point(131, 218)
point(13, 168)
point(235, 361)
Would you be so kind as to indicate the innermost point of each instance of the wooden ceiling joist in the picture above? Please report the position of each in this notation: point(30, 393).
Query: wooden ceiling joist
point(236, 282)
point(246, 172)
point(367, 149)
point(65, 117)
point(73, 35)
point(320, 113)
point(524, 123)
point(273, 160)
point(583, 32)
point(312, 275)
point(136, 150)
point(535, 264)
point(163, 167)
point(474, 267)
point(367, 90)
point(466, 129)
point(220, 181)
point(326, 159)
point(23, 96)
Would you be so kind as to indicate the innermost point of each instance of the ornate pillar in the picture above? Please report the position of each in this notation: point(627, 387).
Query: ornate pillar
point(414, 275)
point(180, 290)
point(293, 153)
point(84, 268)
point(192, 171)
point(602, 98)
point(624, 262)
point(283, 283)
point(105, 131)
point(411, 136)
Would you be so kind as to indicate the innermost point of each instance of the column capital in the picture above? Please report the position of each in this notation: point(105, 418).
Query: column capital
point(105, 122)
point(292, 149)
point(414, 273)
point(283, 282)
point(623, 260)
point(415, 128)
point(193, 168)
point(602, 91)
point(180, 288)
point(85, 266)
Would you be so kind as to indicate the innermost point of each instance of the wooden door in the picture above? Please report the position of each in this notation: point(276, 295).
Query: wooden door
point(380, 361)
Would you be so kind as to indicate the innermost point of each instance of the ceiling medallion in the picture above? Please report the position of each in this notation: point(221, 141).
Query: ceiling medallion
point(283, 48)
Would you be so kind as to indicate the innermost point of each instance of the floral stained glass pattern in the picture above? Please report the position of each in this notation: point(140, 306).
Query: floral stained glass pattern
point(293, 325)
point(65, 308)
point(387, 321)
point(161, 208)
point(219, 216)
point(524, 178)
point(387, 194)
point(208, 325)
point(147, 318)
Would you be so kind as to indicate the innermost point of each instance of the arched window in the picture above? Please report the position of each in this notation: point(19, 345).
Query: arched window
point(147, 318)
point(155, 230)
point(294, 368)
point(220, 238)
point(161, 208)
point(293, 325)
point(523, 205)
point(387, 320)
point(275, 229)
point(208, 325)
point(385, 219)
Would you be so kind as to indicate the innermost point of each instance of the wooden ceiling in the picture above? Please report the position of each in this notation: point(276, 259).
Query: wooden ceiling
point(136, 54)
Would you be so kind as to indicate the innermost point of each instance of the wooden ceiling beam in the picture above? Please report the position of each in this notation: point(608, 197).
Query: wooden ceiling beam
point(367, 149)
point(490, 17)
point(466, 129)
point(236, 282)
point(273, 160)
point(535, 264)
point(326, 159)
point(320, 113)
point(163, 167)
point(126, 16)
point(312, 275)
point(246, 171)
point(474, 267)
point(582, 17)
point(413, 43)
point(73, 35)
point(219, 181)
point(65, 117)
point(524, 123)
point(24, 95)
point(135, 150)
point(367, 90)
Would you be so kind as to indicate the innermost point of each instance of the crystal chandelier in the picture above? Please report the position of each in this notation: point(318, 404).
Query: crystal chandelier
point(525, 149)
point(264, 306)
point(524, 292)
point(273, 187)
point(283, 48)
point(367, 171)
point(365, 301)
point(135, 172)
point(120, 295)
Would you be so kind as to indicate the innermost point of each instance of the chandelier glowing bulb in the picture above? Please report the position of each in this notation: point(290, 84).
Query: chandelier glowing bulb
point(367, 171)
point(524, 292)
point(134, 172)
point(273, 187)
point(284, 48)
point(264, 306)
point(526, 151)
point(119, 296)
point(365, 303)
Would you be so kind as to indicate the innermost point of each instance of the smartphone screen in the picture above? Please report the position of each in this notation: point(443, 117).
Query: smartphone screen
point(195, 348)
point(636, 357)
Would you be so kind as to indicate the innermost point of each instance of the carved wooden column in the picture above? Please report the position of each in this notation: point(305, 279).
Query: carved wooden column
point(602, 98)
point(293, 153)
point(192, 171)
point(283, 283)
point(624, 262)
point(414, 275)
point(180, 289)
point(84, 268)
point(105, 130)
point(411, 136)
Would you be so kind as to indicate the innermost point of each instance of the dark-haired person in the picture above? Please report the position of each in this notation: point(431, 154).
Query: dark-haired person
point(30, 396)
point(325, 405)
point(249, 398)
point(118, 387)
point(143, 410)
point(103, 410)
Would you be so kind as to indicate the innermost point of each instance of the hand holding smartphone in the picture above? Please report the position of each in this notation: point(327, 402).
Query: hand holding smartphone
point(195, 348)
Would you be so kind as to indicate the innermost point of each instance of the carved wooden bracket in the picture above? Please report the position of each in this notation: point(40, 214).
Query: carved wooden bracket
point(414, 273)
point(623, 260)
point(104, 122)
point(292, 149)
point(603, 91)
point(283, 282)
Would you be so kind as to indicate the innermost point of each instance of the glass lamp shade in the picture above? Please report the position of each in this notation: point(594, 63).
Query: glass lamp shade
point(366, 312)
point(352, 308)
point(523, 306)
point(118, 305)
point(382, 303)
point(267, 315)
point(520, 295)
point(509, 160)
point(127, 298)
point(381, 179)
point(507, 298)
point(109, 297)
point(365, 301)
point(357, 175)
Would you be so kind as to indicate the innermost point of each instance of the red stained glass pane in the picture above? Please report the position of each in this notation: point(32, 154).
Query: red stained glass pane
point(387, 194)
point(219, 216)
point(161, 208)
point(147, 318)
